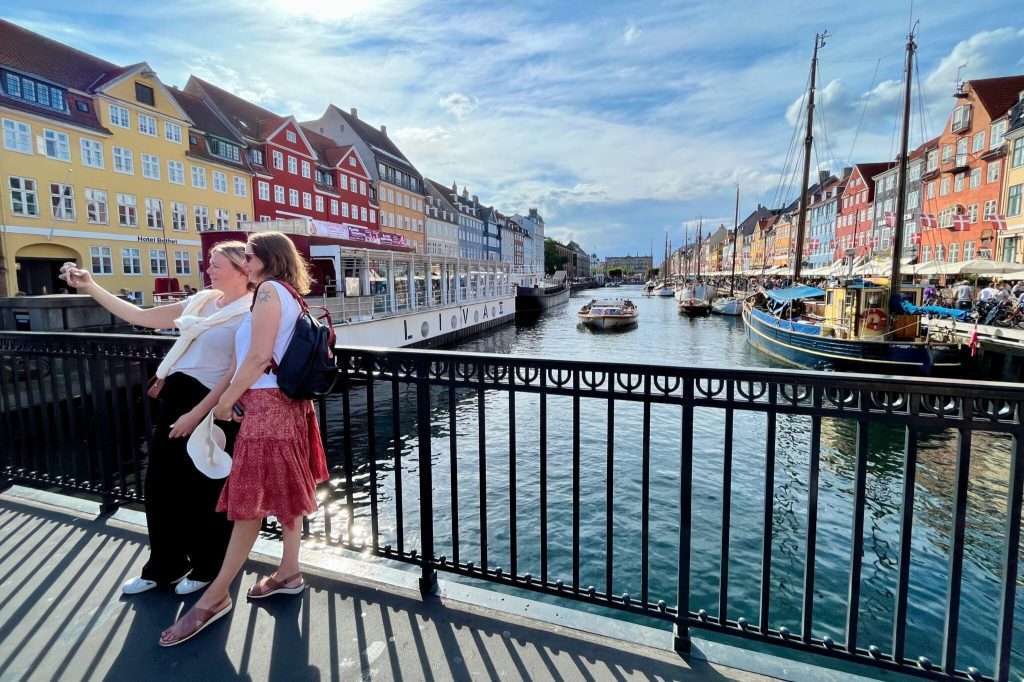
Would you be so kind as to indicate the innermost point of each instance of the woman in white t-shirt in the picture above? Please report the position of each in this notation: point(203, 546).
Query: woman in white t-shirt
point(279, 457)
point(187, 536)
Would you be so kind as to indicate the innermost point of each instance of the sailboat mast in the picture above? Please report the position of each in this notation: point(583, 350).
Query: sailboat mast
point(901, 184)
point(819, 41)
point(700, 253)
point(735, 235)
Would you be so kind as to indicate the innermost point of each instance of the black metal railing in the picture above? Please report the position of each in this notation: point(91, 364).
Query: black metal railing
point(414, 436)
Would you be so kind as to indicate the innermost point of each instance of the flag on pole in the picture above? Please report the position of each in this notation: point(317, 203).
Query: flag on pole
point(927, 221)
point(974, 340)
point(890, 219)
point(960, 223)
point(915, 238)
point(997, 221)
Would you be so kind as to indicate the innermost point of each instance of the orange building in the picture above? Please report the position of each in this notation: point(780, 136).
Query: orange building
point(966, 185)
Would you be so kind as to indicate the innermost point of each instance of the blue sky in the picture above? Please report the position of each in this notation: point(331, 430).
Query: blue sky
point(618, 120)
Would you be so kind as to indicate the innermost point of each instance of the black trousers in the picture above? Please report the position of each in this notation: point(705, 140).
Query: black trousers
point(186, 535)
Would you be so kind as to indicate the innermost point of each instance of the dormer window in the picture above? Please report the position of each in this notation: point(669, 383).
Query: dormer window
point(29, 90)
point(224, 150)
point(290, 136)
point(256, 156)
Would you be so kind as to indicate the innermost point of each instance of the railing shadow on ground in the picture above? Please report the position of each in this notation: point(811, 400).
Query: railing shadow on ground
point(394, 423)
point(67, 618)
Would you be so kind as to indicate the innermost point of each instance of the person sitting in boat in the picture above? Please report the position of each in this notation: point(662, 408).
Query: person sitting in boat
point(931, 294)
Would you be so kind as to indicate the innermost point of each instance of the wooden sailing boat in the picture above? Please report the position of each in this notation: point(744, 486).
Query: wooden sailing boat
point(664, 289)
point(861, 324)
point(730, 305)
point(692, 297)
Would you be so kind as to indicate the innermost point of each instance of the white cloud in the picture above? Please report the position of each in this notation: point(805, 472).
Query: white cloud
point(631, 34)
point(458, 104)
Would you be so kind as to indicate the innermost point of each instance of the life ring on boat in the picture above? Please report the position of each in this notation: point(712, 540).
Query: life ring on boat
point(874, 318)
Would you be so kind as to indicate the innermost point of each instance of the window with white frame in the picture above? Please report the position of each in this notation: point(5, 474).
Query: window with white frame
point(968, 251)
point(278, 159)
point(975, 177)
point(978, 141)
point(96, 206)
point(223, 219)
point(62, 201)
point(92, 153)
point(355, 210)
point(362, 214)
point(305, 169)
point(334, 207)
point(147, 125)
point(241, 186)
point(996, 139)
point(127, 210)
point(198, 177)
point(944, 187)
point(319, 203)
point(307, 201)
point(293, 197)
point(293, 165)
point(120, 117)
point(933, 160)
point(182, 263)
point(926, 253)
point(102, 258)
point(344, 210)
point(172, 133)
point(1013, 200)
point(947, 153)
point(990, 207)
point(344, 181)
point(175, 172)
point(123, 162)
point(954, 252)
point(17, 136)
point(150, 166)
point(912, 199)
point(289, 135)
point(155, 214)
point(278, 194)
point(1017, 156)
point(362, 187)
point(131, 261)
point(373, 216)
point(24, 197)
point(972, 214)
point(930, 190)
point(993, 172)
point(179, 216)
point(220, 182)
point(241, 217)
point(264, 190)
point(202, 215)
point(938, 252)
point(157, 262)
point(57, 145)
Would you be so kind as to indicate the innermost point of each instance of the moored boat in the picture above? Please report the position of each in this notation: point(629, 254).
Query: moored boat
point(693, 299)
point(730, 305)
point(609, 314)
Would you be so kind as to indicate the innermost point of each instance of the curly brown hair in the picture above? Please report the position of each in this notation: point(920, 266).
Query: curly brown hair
point(281, 260)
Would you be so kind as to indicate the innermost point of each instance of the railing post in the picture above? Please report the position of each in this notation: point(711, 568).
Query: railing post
point(428, 577)
point(98, 388)
point(680, 629)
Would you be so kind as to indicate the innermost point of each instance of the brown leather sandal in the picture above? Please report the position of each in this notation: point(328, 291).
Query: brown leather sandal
point(193, 622)
point(270, 586)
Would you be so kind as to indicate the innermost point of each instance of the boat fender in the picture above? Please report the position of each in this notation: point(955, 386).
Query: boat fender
point(874, 318)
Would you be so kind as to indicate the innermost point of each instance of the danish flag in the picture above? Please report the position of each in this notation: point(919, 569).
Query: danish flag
point(960, 223)
point(928, 221)
point(915, 238)
point(997, 221)
point(890, 218)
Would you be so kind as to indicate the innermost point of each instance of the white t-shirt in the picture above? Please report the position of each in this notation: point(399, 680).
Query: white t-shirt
point(243, 337)
point(208, 357)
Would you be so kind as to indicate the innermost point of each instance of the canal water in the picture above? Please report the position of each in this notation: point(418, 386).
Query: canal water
point(663, 336)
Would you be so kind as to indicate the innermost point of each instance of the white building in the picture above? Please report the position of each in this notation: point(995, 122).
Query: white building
point(533, 223)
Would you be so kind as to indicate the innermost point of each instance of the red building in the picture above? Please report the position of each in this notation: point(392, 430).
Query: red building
point(856, 212)
point(298, 172)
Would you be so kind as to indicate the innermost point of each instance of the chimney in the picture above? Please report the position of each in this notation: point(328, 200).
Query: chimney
point(476, 200)
point(822, 178)
point(384, 129)
point(354, 112)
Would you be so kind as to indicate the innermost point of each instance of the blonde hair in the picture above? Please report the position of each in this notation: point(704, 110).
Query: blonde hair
point(281, 260)
point(234, 251)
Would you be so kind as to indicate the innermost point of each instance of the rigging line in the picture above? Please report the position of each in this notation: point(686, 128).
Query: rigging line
point(790, 153)
point(824, 132)
point(863, 111)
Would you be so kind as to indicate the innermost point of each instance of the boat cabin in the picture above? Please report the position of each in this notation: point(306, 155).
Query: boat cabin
point(860, 309)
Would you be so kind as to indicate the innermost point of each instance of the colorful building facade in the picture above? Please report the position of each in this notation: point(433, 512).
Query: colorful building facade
point(1012, 238)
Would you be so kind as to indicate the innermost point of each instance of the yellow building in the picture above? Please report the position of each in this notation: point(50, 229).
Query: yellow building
point(103, 165)
point(1012, 238)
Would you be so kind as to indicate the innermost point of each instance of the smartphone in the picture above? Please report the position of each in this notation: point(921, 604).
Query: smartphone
point(238, 410)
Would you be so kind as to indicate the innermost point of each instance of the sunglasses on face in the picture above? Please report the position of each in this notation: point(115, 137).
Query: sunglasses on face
point(249, 257)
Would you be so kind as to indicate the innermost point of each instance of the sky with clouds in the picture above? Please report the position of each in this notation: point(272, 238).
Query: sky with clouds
point(618, 120)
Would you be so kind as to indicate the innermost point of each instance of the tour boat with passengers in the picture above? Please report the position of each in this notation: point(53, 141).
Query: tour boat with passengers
point(609, 314)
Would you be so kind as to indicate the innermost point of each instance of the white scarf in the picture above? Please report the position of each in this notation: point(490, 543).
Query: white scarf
point(192, 325)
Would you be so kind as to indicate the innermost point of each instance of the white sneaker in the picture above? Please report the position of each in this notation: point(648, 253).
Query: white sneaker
point(137, 585)
point(188, 586)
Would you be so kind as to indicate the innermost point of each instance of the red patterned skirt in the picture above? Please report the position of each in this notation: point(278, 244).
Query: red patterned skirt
point(277, 461)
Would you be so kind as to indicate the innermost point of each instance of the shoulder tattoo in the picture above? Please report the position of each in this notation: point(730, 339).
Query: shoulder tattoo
point(263, 297)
